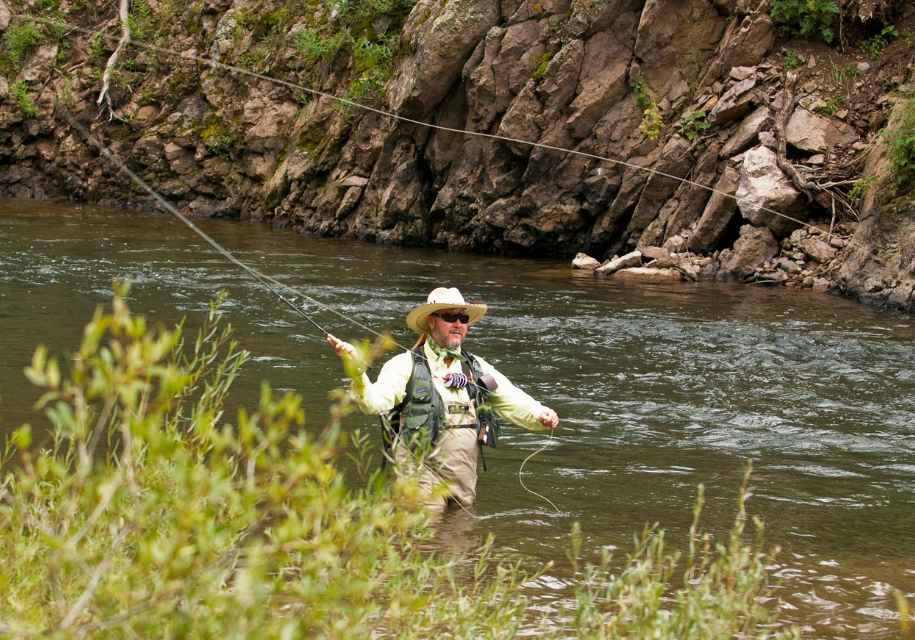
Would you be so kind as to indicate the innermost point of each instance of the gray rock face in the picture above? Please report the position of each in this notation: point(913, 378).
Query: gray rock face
point(553, 72)
point(718, 213)
point(809, 132)
point(5, 15)
point(752, 249)
point(668, 27)
point(735, 103)
point(744, 44)
point(443, 45)
point(747, 134)
point(765, 193)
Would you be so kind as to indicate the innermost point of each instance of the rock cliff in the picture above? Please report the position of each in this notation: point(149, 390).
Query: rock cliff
point(701, 90)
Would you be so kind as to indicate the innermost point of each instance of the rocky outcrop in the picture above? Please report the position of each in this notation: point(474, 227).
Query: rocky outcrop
point(557, 88)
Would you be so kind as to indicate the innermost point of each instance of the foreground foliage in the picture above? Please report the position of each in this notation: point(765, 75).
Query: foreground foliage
point(148, 516)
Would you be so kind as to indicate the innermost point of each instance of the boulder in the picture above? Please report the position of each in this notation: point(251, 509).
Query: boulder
point(816, 134)
point(718, 213)
point(5, 15)
point(633, 259)
point(586, 262)
point(754, 246)
point(817, 249)
point(39, 65)
point(747, 134)
point(646, 274)
point(735, 103)
point(765, 193)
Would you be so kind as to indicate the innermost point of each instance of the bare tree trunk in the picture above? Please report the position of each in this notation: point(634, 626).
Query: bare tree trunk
point(113, 60)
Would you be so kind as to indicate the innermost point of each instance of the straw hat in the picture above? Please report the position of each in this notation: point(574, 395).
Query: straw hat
point(443, 298)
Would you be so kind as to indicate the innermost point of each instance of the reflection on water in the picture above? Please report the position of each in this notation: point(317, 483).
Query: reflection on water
point(660, 388)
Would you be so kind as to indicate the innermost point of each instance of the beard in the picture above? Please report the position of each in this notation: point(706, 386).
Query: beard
point(446, 340)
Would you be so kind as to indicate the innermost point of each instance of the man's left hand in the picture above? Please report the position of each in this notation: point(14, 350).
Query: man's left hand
point(549, 418)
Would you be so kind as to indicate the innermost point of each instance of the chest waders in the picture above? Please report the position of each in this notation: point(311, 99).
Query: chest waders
point(419, 419)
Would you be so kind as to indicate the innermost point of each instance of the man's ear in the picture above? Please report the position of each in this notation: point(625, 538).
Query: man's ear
point(430, 322)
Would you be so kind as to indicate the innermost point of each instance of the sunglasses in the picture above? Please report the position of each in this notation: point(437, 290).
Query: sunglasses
point(452, 317)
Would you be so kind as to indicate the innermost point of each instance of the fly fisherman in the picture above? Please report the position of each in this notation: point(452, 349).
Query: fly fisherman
point(446, 417)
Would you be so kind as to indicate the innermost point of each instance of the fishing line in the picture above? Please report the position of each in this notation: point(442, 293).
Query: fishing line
point(214, 64)
point(271, 284)
point(543, 448)
point(275, 286)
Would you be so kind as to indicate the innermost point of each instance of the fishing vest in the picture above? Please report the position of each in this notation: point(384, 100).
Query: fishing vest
point(419, 419)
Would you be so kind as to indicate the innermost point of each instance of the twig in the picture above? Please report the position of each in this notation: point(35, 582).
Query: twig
point(781, 150)
point(100, 570)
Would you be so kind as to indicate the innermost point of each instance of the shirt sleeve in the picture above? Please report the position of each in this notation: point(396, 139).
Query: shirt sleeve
point(388, 390)
point(511, 403)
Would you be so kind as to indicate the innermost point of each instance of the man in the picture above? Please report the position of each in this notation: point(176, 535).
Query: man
point(450, 406)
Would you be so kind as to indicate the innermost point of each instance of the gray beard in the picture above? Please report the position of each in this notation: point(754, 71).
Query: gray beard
point(446, 340)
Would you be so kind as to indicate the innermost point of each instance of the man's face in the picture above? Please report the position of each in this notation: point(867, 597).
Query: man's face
point(449, 335)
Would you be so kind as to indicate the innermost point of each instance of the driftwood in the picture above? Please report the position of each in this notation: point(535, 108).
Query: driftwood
point(104, 96)
point(825, 194)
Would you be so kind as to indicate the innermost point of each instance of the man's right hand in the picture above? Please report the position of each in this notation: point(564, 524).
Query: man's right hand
point(344, 349)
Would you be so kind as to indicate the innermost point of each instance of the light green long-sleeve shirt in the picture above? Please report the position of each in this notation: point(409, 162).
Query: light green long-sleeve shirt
point(507, 401)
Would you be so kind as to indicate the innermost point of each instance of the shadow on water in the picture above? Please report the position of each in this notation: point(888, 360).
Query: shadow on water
point(660, 388)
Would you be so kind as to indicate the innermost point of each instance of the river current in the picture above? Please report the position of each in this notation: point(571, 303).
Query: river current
point(659, 388)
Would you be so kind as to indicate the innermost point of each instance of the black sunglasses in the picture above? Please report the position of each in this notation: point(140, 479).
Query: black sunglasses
point(452, 317)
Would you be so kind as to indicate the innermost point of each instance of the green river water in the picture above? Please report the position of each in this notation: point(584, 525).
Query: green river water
point(659, 388)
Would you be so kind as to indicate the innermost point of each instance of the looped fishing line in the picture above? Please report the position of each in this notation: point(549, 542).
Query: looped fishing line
point(521, 468)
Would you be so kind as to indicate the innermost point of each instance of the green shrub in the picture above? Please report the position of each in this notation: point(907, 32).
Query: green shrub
point(792, 60)
point(149, 516)
point(19, 92)
point(693, 124)
point(651, 122)
point(875, 45)
point(642, 98)
point(899, 138)
point(96, 48)
point(806, 18)
point(540, 69)
point(861, 187)
point(139, 20)
point(720, 596)
point(19, 37)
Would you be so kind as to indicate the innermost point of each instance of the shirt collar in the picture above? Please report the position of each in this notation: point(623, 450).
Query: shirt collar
point(440, 353)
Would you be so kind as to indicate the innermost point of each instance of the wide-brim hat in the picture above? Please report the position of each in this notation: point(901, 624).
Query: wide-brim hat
point(443, 298)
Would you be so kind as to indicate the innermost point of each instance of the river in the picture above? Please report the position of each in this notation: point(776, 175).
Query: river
point(659, 388)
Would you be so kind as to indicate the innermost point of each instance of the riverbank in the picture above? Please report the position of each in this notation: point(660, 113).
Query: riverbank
point(708, 91)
